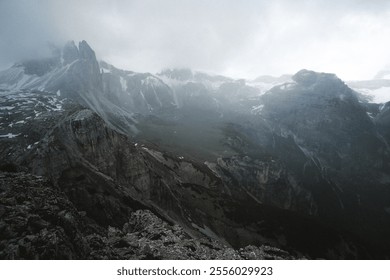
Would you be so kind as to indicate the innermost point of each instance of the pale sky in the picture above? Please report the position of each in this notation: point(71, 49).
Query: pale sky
point(242, 39)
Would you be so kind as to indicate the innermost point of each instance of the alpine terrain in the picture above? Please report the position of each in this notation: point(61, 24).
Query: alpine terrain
point(103, 163)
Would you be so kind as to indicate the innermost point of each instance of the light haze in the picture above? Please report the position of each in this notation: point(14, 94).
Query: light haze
point(242, 39)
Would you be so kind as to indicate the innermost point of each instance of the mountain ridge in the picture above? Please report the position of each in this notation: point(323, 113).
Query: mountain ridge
point(304, 161)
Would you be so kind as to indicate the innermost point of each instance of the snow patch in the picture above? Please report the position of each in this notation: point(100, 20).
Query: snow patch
point(287, 86)
point(379, 95)
point(257, 109)
point(9, 108)
point(123, 83)
point(9, 135)
point(151, 80)
point(206, 231)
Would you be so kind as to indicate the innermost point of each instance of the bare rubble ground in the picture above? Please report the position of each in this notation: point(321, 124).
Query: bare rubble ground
point(37, 221)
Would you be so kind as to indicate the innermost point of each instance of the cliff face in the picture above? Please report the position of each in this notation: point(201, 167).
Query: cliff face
point(108, 176)
point(332, 147)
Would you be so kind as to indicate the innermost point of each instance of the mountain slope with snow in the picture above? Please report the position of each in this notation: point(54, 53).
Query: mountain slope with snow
point(284, 161)
point(375, 91)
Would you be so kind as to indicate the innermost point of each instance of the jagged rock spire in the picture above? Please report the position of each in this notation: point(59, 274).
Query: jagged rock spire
point(86, 52)
point(70, 52)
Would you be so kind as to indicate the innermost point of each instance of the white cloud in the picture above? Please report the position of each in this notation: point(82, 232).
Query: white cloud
point(239, 38)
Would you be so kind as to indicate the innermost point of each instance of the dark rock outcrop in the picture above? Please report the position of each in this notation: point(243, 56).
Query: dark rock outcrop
point(37, 221)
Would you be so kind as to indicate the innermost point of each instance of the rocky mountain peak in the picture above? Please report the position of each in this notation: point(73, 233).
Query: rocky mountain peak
point(181, 74)
point(273, 80)
point(70, 52)
point(86, 51)
point(307, 77)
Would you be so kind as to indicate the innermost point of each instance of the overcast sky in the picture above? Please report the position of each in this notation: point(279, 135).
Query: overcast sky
point(242, 39)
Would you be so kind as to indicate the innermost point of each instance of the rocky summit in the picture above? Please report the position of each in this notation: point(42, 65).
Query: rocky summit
point(103, 163)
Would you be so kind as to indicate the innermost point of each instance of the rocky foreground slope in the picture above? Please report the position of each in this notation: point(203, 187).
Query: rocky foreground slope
point(39, 222)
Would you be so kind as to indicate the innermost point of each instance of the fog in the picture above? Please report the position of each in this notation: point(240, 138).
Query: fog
point(242, 39)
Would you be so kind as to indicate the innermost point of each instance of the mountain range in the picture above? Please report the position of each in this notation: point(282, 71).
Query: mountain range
point(288, 167)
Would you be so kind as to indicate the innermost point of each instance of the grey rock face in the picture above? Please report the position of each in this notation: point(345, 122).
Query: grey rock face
point(70, 53)
point(322, 133)
point(139, 93)
point(267, 181)
point(86, 51)
point(178, 74)
point(382, 120)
